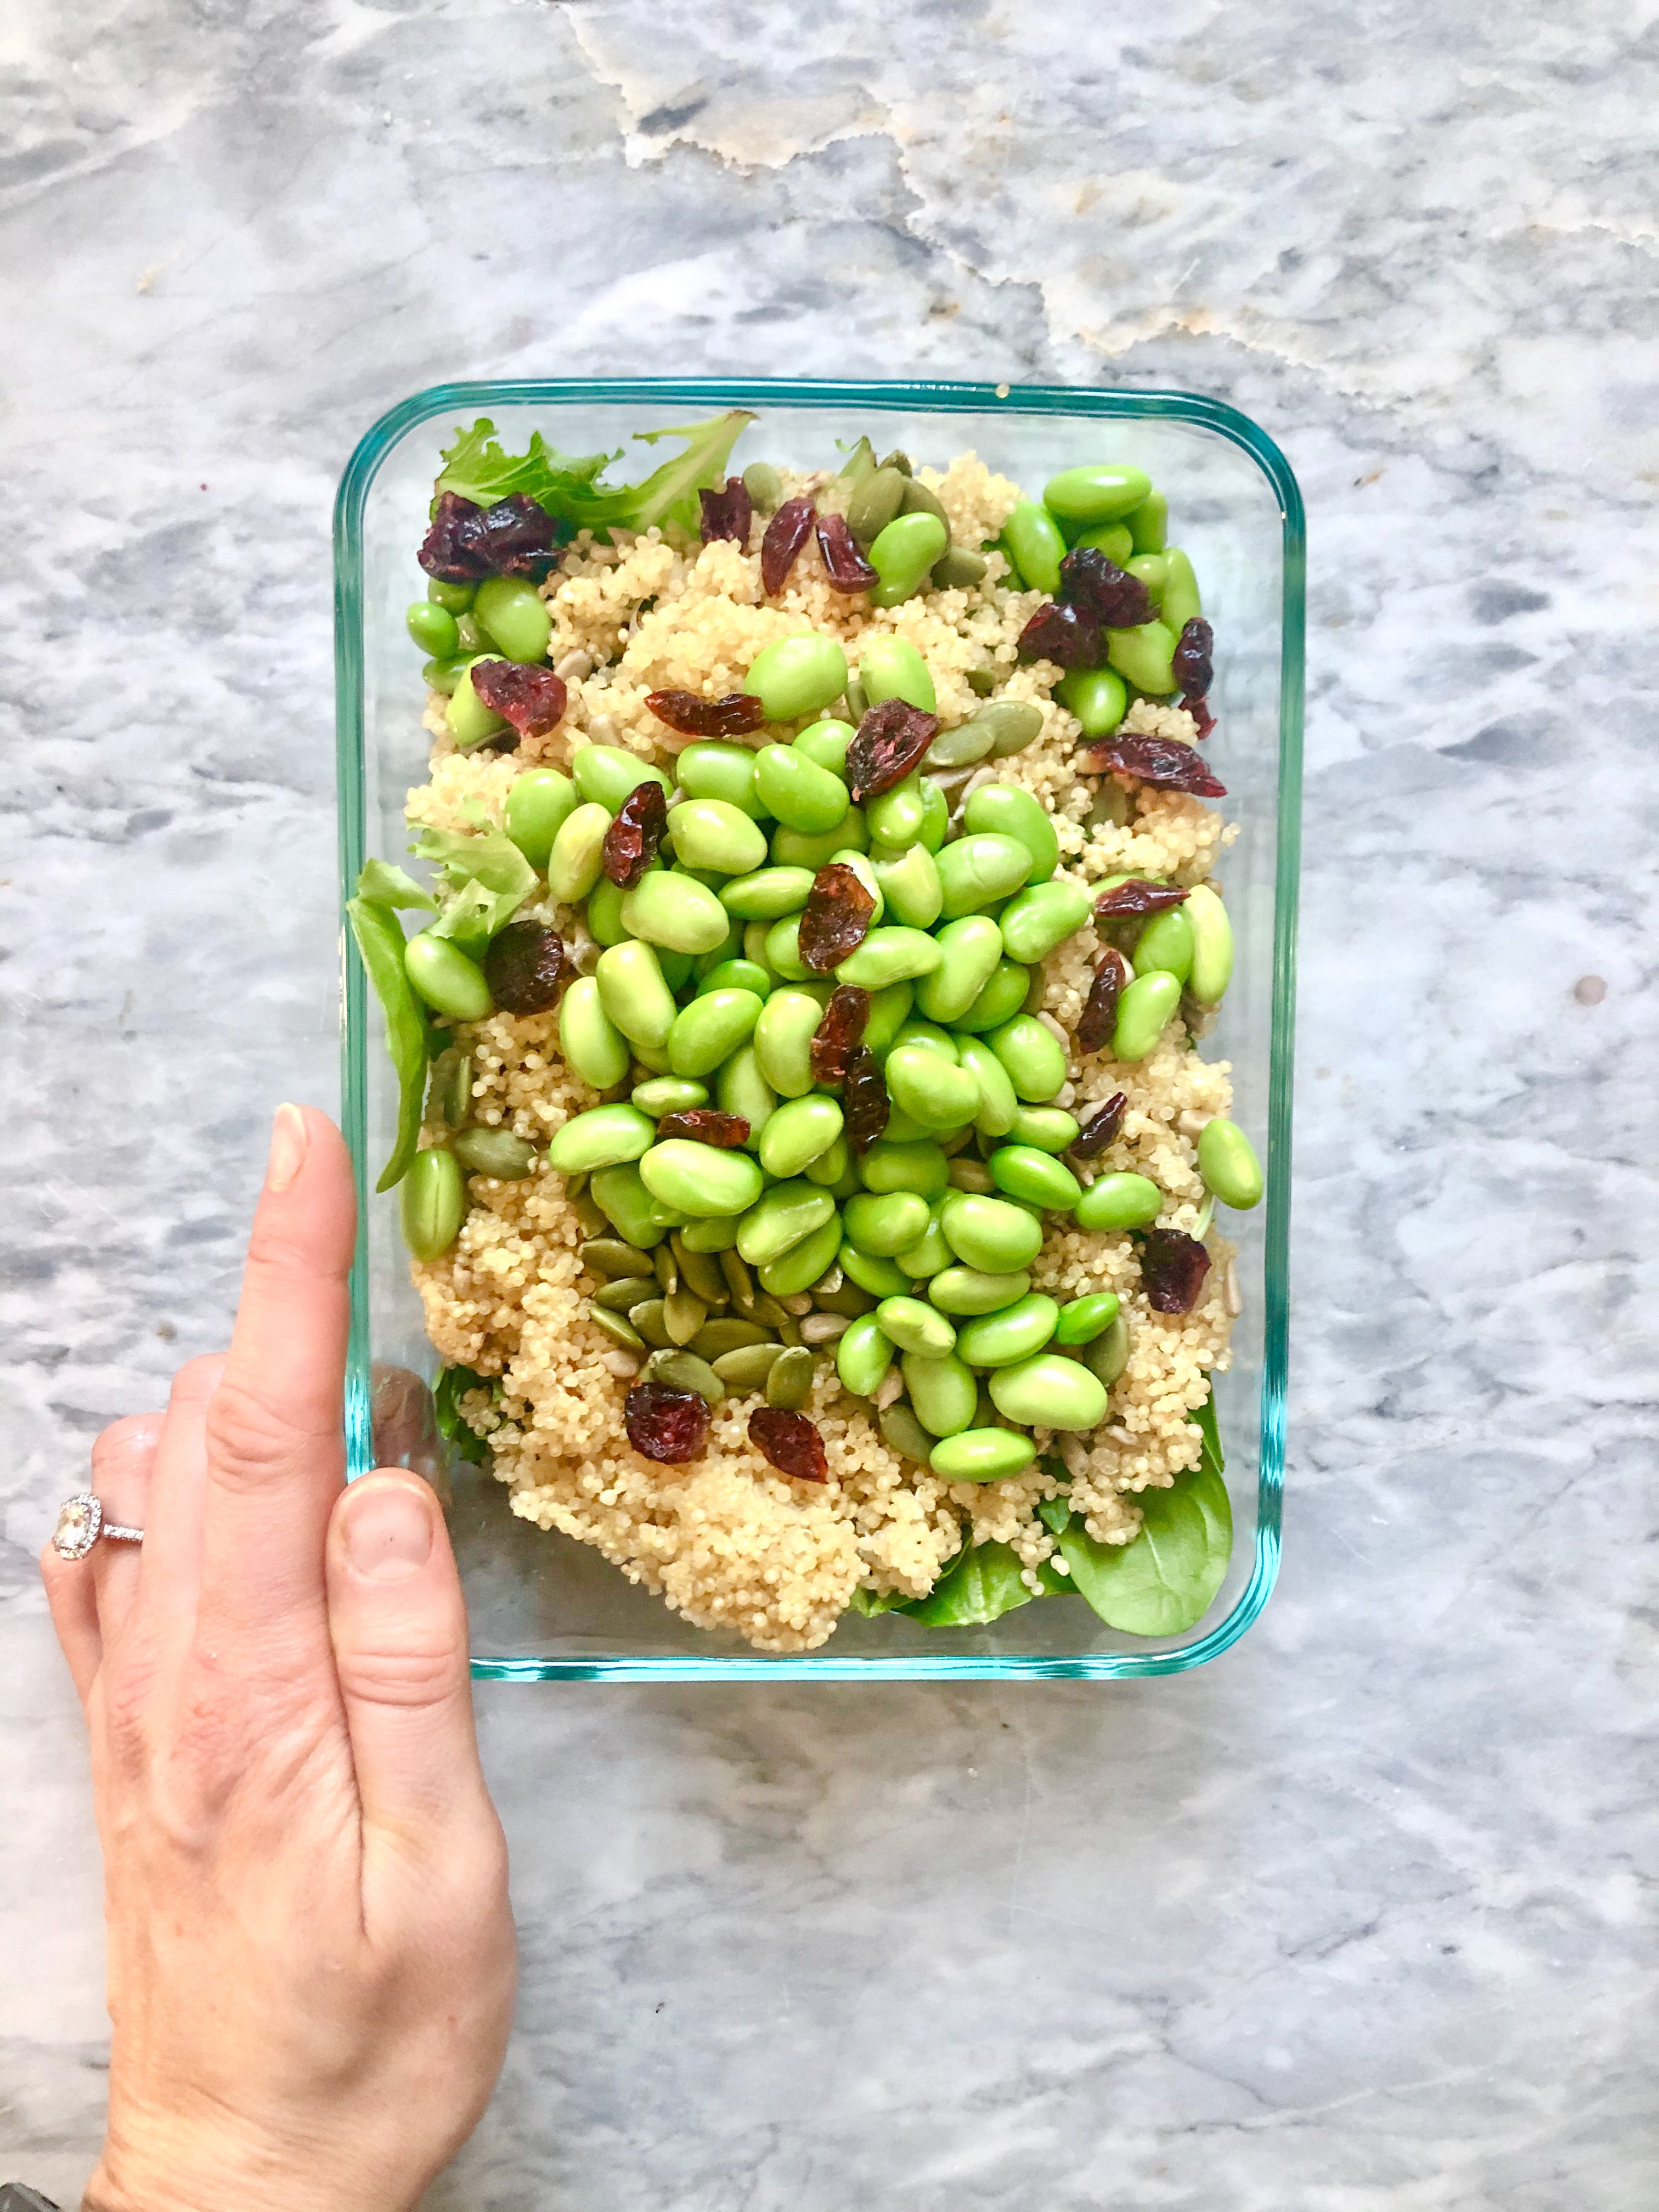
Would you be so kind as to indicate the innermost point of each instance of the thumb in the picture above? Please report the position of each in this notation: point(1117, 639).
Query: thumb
point(398, 1627)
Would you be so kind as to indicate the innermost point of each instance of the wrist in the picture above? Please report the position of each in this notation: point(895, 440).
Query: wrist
point(171, 2167)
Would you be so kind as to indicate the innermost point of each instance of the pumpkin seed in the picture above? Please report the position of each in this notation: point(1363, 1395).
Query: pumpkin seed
point(626, 1293)
point(789, 1384)
point(647, 1320)
point(684, 1370)
point(903, 1433)
point(608, 1255)
point(701, 1272)
point(683, 1315)
point(724, 1334)
point(667, 1274)
point(747, 1368)
point(738, 1280)
point(616, 1326)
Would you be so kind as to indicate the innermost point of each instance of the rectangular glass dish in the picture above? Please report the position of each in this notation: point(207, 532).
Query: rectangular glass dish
point(543, 1606)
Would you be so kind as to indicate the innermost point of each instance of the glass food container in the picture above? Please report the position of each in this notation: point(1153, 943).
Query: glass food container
point(543, 1606)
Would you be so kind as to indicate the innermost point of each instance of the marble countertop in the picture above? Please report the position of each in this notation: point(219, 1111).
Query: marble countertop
point(1356, 1917)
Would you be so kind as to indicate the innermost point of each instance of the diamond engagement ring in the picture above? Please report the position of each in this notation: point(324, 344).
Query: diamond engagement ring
point(81, 1522)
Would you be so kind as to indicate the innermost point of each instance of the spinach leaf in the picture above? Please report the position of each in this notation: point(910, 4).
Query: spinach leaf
point(452, 1385)
point(1163, 1581)
point(1204, 1421)
point(981, 1586)
point(477, 468)
point(386, 885)
point(1056, 1515)
point(870, 1602)
point(379, 936)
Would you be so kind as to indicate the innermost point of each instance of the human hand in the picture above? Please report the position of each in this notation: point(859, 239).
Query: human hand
point(311, 1956)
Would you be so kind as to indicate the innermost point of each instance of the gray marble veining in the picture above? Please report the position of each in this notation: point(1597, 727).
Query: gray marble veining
point(1360, 1919)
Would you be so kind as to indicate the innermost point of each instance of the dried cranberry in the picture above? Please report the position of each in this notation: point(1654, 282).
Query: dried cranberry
point(733, 715)
point(786, 533)
point(523, 968)
point(1063, 633)
point(708, 1125)
point(1099, 1017)
point(1173, 1268)
point(1164, 762)
point(664, 1423)
point(532, 699)
point(844, 565)
point(839, 1032)
point(727, 513)
point(864, 1099)
point(891, 739)
point(1137, 897)
point(449, 552)
point(1094, 584)
point(837, 918)
point(1193, 670)
point(464, 542)
point(631, 841)
point(1199, 711)
point(790, 1442)
point(1101, 1128)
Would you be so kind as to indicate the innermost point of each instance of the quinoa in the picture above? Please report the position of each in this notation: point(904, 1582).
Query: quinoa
point(725, 1540)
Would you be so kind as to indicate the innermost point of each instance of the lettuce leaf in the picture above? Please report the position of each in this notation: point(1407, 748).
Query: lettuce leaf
point(387, 885)
point(491, 878)
point(379, 939)
point(476, 467)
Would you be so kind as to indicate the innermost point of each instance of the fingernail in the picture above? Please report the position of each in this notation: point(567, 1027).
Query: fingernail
point(289, 1145)
point(388, 1531)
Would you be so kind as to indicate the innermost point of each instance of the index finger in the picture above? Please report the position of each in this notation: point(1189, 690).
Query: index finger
point(276, 1453)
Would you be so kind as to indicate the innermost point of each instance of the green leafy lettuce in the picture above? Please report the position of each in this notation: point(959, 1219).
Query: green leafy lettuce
point(379, 937)
point(476, 466)
point(492, 880)
point(387, 885)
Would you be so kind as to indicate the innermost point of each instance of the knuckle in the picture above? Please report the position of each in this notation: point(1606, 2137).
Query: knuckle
point(135, 1436)
point(248, 1437)
point(198, 1379)
point(415, 1675)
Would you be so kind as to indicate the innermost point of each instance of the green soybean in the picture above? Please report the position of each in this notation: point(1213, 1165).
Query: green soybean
point(736, 975)
point(1036, 545)
point(433, 628)
point(981, 1455)
point(1023, 1171)
point(768, 893)
point(1097, 697)
point(1050, 1129)
point(442, 675)
point(1033, 1055)
point(802, 1266)
point(1143, 655)
point(763, 486)
point(895, 817)
point(910, 887)
point(1114, 539)
point(1010, 811)
point(783, 952)
point(969, 950)
point(712, 770)
point(515, 615)
point(604, 913)
point(902, 554)
point(575, 860)
point(891, 668)
point(1003, 996)
point(741, 1089)
point(601, 1137)
point(783, 1039)
point(1014, 1333)
point(998, 1104)
point(1144, 1013)
point(537, 805)
point(1212, 945)
point(1166, 943)
point(797, 676)
point(922, 1168)
point(713, 833)
point(799, 1134)
point(935, 1093)
point(1102, 492)
point(1148, 522)
point(889, 956)
point(930, 1037)
point(467, 718)
point(780, 1218)
point(863, 868)
point(446, 979)
point(884, 1224)
point(977, 871)
point(432, 1203)
point(1151, 569)
point(1085, 1318)
point(634, 992)
point(668, 1094)
point(711, 1029)
point(606, 775)
point(833, 1167)
point(930, 1254)
point(915, 1326)
point(825, 744)
point(936, 816)
point(880, 1278)
point(1034, 921)
point(889, 1008)
point(1050, 1389)
point(943, 1393)
point(989, 1234)
point(1228, 1164)
point(1119, 1200)
point(455, 598)
point(1180, 603)
point(974, 1291)
point(702, 1181)
point(863, 1355)
point(794, 848)
point(625, 1202)
point(588, 1039)
point(801, 794)
point(675, 910)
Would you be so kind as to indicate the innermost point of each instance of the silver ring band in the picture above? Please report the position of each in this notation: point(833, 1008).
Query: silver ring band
point(81, 1522)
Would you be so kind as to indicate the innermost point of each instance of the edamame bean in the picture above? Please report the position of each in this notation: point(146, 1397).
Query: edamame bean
point(634, 993)
point(1010, 811)
point(575, 860)
point(1000, 1001)
point(768, 893)
point(981, 1455)
point(802, 795)
point(798, 1134)
point(736, 975)
point(895, 817)
point(797, 676)
point(537, 805)
point(712, 833)
point(862, 867)
point(1143, 655)
point(458, 1091)
point(469, 637)
point(601, 1137)
point(1148, 522)
point(915, 1326)
point(456, 598)
point(1181, 602)
point(763, 486)
point(1119, 1200)
point(997, 1103)
point(990, 1235)
point(1050, 1129)
point(668, 1094)
point(833, 1167)
point(799, 1268)
point(1228, 1164)
point(1057, 1392)
point(780, 1218)
point(670, 908)
point(741, 1089)
point(1015, 1333)
point(1101, 492)
point(467, 718)
point(902, 554)
point(783, 1040)
point(825, 744)
point(884, 1224)
point(910, 887)
point(1033, 1055)
point(433, 628)
point(1114, 539)
point(606, 775)
point(588, 1039)
point(929, 1088)
point(873, 502)
point(889, 956)
point(1143, 1013)
point(432, 1203)
point(1107, 1355)
point(936, 817)
point(442, 675)
point(863, 1356)
point(604, 913)
point(922, 1168)
point(970, 951)
point(1151, 569)
point(630, 1207)
point(700, 1180)
point(930, 1254)
point(1035, 545)
point(880, 1278)
point(1166, 942)
point(930, 1037)
point(709, 769)
point(1085, 1318)
point(783, 950)
point(515, 615)
point(889, 1008)
point(972, 1291)
point(446, 979)
point(891, 668)
point(943, 1394)
point(1023, 1171)
point(711, 1029)
point(793, 849)
point(1097, 697)
point(1212, 945)
point(1034, 921)
point(977, 871)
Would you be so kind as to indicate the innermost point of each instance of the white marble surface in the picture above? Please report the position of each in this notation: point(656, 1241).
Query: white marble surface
point(1359, 1919)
